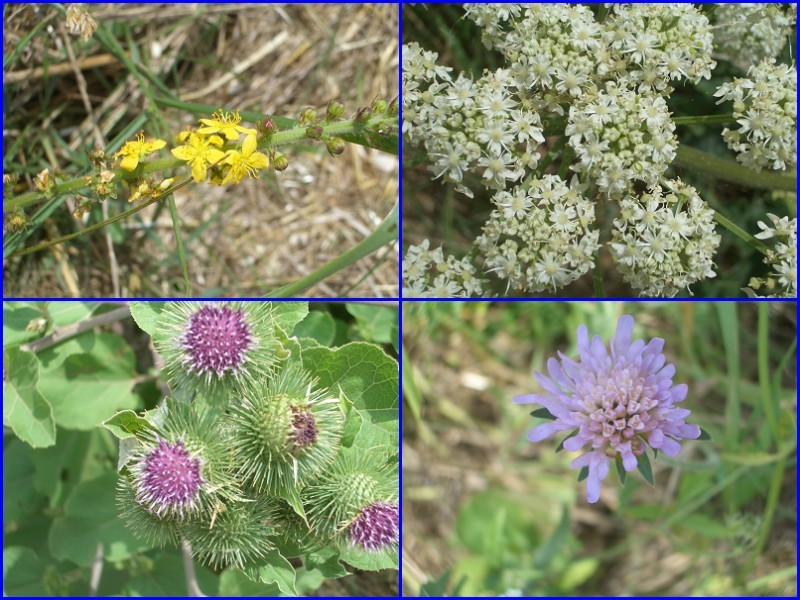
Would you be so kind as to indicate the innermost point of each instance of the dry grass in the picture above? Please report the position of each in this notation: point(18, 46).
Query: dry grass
point(243, 240)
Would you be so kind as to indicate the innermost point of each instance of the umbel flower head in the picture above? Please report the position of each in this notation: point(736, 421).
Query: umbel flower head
point(376, 526)
point(207, 346)
point(618, 403)
point(168, 479)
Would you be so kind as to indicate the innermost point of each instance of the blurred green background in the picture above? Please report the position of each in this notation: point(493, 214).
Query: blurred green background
point(436, 212)
point(485, 512)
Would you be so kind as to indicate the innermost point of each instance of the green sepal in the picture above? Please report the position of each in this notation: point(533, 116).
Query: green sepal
point(621, 472)
point(543, 413)
point(643, 463)
point(573, 433)
point(583, 474)
point(704, 435)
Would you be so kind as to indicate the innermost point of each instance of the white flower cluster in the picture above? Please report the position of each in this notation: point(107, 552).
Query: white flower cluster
point(427, 273)
point(651, 45)
point(538, 238)
point(782, 280)
point(765, 107)
point(747, 34)
point(665, 241)
point(468, 125)
point(621, 135)
point(552, 46)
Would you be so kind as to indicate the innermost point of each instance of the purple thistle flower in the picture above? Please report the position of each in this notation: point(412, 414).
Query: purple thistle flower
point(376, 526)
point(216, 340)
point(168, 479)
point(304, 428)
point(618, 403)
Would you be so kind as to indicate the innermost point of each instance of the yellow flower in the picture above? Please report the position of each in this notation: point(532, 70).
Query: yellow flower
point(200, 152)
point(133, 152)
point(225, 123)
point(246, 163)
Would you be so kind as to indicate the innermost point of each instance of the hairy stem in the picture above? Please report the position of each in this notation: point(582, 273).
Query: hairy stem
point(727, 170)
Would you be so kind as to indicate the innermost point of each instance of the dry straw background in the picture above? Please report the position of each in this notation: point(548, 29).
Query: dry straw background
point(240, 240)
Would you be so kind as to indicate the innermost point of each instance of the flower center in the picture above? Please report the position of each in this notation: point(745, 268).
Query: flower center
point(377, 526)
point(216, 340)
point(170, 478)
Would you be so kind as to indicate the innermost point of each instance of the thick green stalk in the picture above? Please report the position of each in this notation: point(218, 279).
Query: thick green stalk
point(727, 170)
point(385, 233)
point(703, 120)
point(739, 232)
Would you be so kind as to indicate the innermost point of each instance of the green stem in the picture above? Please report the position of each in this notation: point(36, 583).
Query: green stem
point(703, 120)
point(738, 231)
point(597, 277)
point(386, 233)
point(727, 170)
point(100, 225)
point(281, 138)
point(176, 226)
point(763, 371)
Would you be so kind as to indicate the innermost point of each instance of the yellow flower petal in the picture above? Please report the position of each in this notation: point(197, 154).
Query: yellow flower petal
point(249, 145)
point(186, 153)
point(199, 171)
point(257, 160)
point(129, 162)
point(213, 155)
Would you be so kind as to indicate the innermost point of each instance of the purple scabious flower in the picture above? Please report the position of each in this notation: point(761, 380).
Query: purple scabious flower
point(216, 340)
point(168, 479)
point(618, 403)
point(377, 526)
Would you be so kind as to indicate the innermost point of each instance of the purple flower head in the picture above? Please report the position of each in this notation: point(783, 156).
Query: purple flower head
point(304, 428)
point(169, 479)
point(216, 339)
point(376, 526)
point(618, 402)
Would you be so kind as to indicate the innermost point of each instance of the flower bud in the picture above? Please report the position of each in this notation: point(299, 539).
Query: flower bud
point(314, 132)
point(363, 114)
point(334, 111)
point(379, 106)
point(335, 146)
point(267, 127)
point(44, 183)
point(279, 161)
point(308, 115)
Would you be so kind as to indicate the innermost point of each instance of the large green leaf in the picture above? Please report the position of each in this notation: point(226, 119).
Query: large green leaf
point(146, 315)
point(23, 573)
point(370, 560)
point(87, 389)
point(66, 313)
point(17, 317)
point(287, 315)
point(91, 517)
point(326, 561)
point(374, 323)
point(126, 424)
point(25, 409)
point(275, 569)
point(317, 325)
point(166, 577)
point(366, 375)
point(19, 494)
point(233, 582)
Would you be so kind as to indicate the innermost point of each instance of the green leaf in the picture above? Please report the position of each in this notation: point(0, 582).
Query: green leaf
point(16, 319)
point(326, 561)
point(23, 573)
point(126, 424)
point(583, 474)
point(704, 435)
point(287, 315)
point(547, 551)
point(234, 582)
point(572, 433)
point(91, 517)
point(371, 560)
point(543, 413)
point(645, 469)
point(374, 323)
point(274, 568)
point(166, 577)
point(67, 313)
point(317, 325)
point(146, 315)
point(292, 496)
point(366, 375)
point(25, 409)
point(578, 573)
point(352, 424)
point(89, 388)
point(20, 496)
point(54, 356)
point(621, 472)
